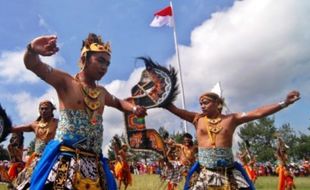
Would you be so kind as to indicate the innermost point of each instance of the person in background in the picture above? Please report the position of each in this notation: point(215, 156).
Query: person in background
point(187, 152)
point(122, 169)
point(44, 128)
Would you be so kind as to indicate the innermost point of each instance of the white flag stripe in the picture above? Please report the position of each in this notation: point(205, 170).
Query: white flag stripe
point(160, 21)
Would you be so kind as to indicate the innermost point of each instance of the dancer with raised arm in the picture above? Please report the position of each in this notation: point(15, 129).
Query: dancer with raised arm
point(73, 160)
point(214, 132)
point(44, 128)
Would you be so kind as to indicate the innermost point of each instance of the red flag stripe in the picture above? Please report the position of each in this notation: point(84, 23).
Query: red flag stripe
point(164, 12)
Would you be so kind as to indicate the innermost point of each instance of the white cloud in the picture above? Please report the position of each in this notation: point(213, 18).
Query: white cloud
point(27, 106)
point(13, 69)
point(43, 23)
point(257, 49)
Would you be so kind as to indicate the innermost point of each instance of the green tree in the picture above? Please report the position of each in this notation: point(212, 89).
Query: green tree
point(290, 138)
point(260, 135)
point(177, 137)
point(132, 155)
point(303, 146)
point(111, 150)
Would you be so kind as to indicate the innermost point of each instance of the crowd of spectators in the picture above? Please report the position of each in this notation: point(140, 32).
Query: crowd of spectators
point(300, 168)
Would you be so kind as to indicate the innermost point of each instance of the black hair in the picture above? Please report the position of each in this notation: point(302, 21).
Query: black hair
point(187, 135)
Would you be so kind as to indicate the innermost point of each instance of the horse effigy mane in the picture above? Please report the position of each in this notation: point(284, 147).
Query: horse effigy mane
point(5, 124)
point(171, 73)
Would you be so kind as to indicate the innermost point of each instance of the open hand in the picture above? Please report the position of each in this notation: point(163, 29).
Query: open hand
point(45, 45)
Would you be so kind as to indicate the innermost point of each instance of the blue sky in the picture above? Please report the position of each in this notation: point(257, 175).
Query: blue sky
point(258, 49)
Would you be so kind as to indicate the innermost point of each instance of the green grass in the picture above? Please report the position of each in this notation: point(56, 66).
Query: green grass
point(3, 186)
point(267, 183)
point(152, 182)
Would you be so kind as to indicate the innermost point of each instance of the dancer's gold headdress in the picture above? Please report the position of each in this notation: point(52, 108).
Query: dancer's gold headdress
point(95, 43)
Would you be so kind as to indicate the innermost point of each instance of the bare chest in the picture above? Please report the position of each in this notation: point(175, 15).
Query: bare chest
point(45, 131)
point(217, 133)
point(79, 97)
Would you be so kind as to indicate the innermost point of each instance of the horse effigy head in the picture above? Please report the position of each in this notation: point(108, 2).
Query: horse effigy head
point(157, 85)
point(5, 124)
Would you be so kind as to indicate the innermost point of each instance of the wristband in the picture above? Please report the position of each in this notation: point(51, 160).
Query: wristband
point(134, 109)
point(282, 104)
point(30, 49)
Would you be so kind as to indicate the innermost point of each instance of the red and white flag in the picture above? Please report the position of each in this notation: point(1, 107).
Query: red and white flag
point(163, 17)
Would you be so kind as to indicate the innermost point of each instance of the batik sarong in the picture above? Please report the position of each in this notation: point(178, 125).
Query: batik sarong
point(73, 160)
point(216, 169)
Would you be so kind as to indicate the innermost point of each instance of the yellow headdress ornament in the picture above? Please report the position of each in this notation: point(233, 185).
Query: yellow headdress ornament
point(94, 43)
point(95, 47)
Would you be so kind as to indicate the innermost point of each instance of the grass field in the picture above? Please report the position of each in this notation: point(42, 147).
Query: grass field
point(152, 182)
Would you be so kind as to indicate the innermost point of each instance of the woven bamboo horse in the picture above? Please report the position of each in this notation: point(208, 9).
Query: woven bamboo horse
point(156, 88)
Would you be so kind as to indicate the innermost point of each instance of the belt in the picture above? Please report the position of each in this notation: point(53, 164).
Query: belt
point(219, 169)
point(76, 151)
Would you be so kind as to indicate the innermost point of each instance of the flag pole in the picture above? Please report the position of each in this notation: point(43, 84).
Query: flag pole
point(179, 65)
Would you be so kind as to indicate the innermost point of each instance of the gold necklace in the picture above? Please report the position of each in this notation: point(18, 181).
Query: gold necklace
point(91, 100)
point(91, 97)
point(213, 128)
point(43, 129)
point(42, 124)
